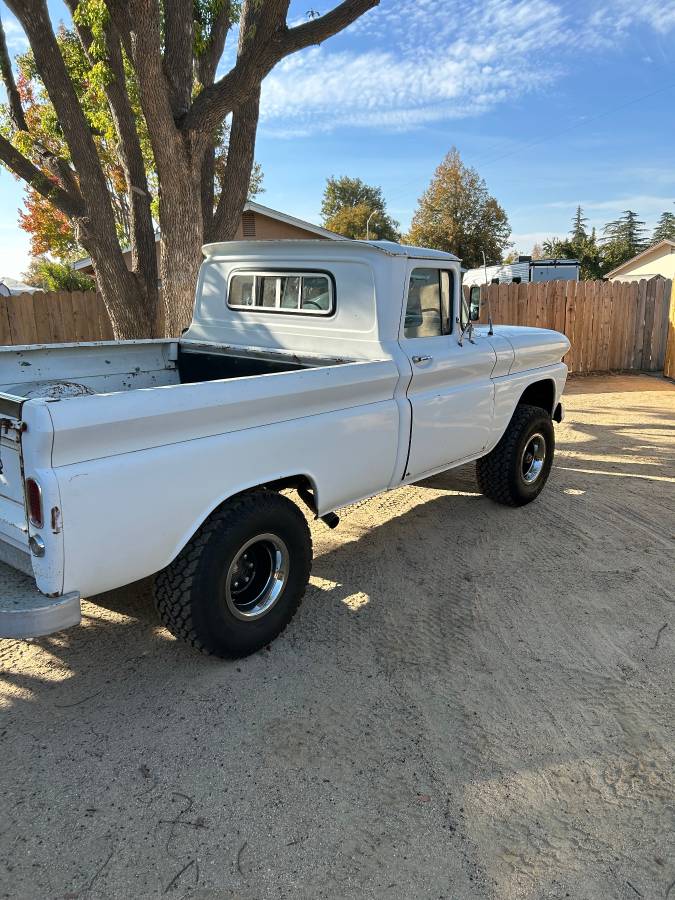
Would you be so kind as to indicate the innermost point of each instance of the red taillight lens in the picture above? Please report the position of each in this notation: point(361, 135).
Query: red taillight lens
point(34, 503)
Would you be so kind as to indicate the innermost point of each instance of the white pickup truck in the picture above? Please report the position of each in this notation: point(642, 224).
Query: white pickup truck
point(337, 369)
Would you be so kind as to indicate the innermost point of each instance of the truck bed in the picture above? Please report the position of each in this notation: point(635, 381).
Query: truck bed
point(62, 371)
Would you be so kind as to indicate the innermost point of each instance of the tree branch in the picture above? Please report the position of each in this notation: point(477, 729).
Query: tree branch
point(207, 62)
point(144, 16)
point(55, 164)
point(34, 18)
point(235, 185)
point(142, 231)
point(260, 50)
point(177, 62)
point(316, 31)
point(14, 101)
point(36, 178)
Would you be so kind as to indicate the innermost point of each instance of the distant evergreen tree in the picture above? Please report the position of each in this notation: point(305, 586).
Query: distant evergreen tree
point(579, 221)
point(665, 228)
point(623, 239)
point(583, 247)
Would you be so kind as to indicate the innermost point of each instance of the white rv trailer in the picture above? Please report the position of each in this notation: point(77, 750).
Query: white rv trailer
point(524, 271)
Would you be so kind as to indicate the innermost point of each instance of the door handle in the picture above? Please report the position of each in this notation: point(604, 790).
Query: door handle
point(421, 359)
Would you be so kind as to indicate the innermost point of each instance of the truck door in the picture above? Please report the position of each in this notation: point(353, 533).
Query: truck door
point(451, 391)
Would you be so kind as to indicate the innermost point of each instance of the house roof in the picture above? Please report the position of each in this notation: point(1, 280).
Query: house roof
point(662, 245)
point(252, 206)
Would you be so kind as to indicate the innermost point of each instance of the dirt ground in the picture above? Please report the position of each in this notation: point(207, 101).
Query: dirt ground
point(473, 702)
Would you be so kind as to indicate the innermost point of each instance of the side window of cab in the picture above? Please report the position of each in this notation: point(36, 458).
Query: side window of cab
point(428, 310)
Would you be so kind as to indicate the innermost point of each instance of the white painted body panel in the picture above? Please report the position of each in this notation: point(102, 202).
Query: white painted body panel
point(452, 397)
point(137, 463)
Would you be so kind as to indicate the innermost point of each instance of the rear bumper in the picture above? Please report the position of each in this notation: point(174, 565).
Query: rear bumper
point(25, 612)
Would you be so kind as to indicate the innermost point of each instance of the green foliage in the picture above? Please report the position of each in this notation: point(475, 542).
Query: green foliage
point(50, 231)
point(665, 228)
point(347, 205)
point(623, 239)
point(581, 246)
point(57, 276)
point(205, 13)
point(457, 214)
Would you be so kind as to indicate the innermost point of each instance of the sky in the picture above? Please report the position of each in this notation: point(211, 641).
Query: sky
point(555, 103)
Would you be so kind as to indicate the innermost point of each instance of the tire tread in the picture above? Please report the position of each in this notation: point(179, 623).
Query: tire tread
point(494, 472)
point(173, 587)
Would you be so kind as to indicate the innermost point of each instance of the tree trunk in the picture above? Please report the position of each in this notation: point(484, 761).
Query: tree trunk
point(182, 230)
point(122, 292)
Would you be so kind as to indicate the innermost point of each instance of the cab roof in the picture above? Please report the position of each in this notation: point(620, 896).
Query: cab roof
point(334, 248)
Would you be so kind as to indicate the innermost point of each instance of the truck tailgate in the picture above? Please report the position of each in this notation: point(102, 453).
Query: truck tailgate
point(25, 612)
point(13, 525)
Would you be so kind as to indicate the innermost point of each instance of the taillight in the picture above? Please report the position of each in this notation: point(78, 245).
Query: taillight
point(34, 503)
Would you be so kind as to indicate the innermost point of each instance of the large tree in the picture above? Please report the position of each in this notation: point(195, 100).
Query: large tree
point(457, 213)
point(357, 210)
point(665, 228)
point(50, 231)
point(164, 56)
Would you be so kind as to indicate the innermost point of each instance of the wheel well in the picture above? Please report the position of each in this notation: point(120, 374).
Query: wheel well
point(301, 483)
point(541, 393)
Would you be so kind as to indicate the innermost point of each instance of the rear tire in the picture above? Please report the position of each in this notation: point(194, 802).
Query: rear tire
point(516, 470)
point(239, 581)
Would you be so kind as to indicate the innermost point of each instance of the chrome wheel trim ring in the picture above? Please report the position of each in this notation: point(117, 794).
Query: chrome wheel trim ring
point(533, 458)
point(257, 577)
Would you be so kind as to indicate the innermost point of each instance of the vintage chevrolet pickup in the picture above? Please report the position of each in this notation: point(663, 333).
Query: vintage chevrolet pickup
point(336, 369)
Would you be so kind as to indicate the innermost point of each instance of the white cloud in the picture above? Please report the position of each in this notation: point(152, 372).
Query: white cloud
point(17, 42)
point(416, 66)
point(412, 62)
point(646, 203)
point(618, 17)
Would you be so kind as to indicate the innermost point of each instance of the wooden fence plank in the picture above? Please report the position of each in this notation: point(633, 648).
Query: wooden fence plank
point(606, 319)
point(43, 330)
point(570, 320)
point(669, 361)
point(650, 303)
point(5, 331)
point(639, 324)
point(54, 309)
point(21, 319)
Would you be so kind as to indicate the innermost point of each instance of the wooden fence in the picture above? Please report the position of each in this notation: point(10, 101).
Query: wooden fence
point(612, 326)
point(53, 318)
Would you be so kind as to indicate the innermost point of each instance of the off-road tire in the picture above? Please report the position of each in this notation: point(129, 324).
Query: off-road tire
point(189, 593)
point(500, 475)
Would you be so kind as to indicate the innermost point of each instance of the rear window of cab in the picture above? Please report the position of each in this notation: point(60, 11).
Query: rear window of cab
point(304, 293)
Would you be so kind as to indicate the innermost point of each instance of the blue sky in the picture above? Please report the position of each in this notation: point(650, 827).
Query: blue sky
point(555, 102)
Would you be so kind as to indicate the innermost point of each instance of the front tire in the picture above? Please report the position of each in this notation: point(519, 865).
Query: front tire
point(239, 581)
point(516, 470)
